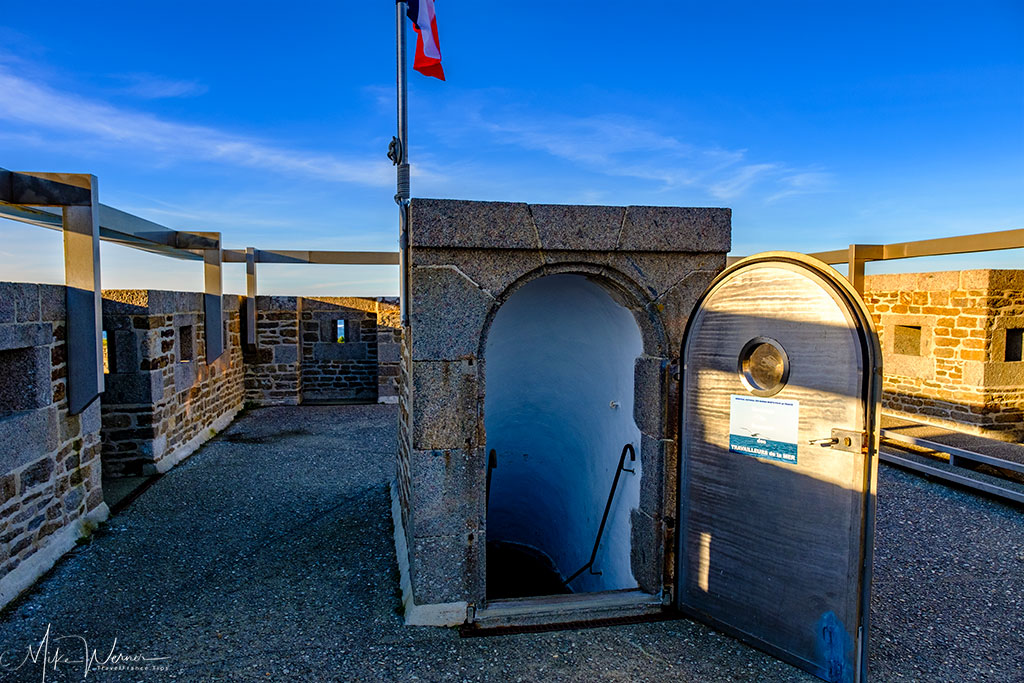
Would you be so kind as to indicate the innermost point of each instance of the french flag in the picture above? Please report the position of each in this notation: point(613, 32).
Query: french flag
point(428, 47)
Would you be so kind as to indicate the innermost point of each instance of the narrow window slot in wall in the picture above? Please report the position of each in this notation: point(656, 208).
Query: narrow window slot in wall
point(907, 340)
point(1014, 342)
point(341, 331)
point(185, 346)
point(107, 341)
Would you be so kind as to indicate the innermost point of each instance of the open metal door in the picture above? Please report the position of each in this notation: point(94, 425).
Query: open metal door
point(778, 443)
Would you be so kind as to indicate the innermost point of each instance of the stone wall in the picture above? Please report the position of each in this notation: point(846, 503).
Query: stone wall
point(339, 349)
point(163, 397)
point(273, 373)
point(466, 259)
point(951, 348)
point(50, 474)
point(299, 359)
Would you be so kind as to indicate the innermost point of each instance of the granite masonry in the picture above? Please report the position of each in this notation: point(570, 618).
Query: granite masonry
point(952, 348)
point(303, 354)
point(50, 474)
point(465, 260)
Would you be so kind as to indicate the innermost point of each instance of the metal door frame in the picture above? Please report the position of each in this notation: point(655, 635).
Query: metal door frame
point(870, 400)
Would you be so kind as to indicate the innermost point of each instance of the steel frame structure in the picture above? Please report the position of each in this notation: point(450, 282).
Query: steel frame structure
point(69, 202)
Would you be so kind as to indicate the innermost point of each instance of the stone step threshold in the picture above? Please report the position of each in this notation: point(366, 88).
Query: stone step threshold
point(570, 611)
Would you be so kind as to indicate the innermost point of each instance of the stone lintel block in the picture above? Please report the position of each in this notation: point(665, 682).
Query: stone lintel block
point(441, 330)
point(447, 568)
point(26, 436)
point(647, 538)
point(649, 378)
point(445, 396)
point(671, 228)
point(578, 228)
point(467, 224)
point(25, 335)
point(448, 489)
point(513, 225)
point(492, 270)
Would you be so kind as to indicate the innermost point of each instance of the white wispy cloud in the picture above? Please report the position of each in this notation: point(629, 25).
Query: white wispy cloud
point(149, 86)
point(626, 146)
point(36, 106)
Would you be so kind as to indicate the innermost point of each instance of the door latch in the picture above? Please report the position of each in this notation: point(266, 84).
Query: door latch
point(843, 440)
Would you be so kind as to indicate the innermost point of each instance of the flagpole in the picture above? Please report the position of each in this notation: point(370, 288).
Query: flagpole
point(399, 154)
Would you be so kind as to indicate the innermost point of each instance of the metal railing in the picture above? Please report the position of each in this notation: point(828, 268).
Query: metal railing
point(628, 448)
point(858, 254)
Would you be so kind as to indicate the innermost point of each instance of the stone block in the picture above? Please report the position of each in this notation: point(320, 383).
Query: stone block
point(25, 377)
point(647, 538)
point(37, 474)
point(124, 350)
point(677, 304)
point(448, 489)
point(441, 330)
point(652, 478)
point(389, 353)
point(26, 436)
point(333, 351)
point(656, 273)
point(444, 405)
point(446, 568)
point(15, 336)
point(277, 303)
point(136, 387)
point(649, 386)
point(665, 228)
point(286, 354)
point(52, 304)
point(467, 224)
point(580, 228)
point(492, 270)
point(26, 300)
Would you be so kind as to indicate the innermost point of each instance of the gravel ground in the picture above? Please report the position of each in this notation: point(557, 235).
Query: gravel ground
point(268, 556)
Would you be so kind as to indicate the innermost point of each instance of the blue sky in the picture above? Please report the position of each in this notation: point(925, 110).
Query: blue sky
point(819, 124)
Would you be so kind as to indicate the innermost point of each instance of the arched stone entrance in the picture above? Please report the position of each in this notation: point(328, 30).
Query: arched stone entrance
point(560, 358)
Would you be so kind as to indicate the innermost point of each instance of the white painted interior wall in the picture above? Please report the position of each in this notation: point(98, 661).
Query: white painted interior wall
point(558, 409)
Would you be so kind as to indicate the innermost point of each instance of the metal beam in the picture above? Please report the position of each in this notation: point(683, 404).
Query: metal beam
point(45, 189)
point(250, 297)
point(341, 258)
point(213, 301)
point(83, 296)
point(942, 246)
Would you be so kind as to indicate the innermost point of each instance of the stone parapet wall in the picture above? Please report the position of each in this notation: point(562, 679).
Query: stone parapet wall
point(945, 348)
point(50, 473)
point(299, 359)
point(164, 397)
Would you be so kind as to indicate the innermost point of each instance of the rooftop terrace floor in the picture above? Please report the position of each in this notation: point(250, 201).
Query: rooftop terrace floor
point(268, 555)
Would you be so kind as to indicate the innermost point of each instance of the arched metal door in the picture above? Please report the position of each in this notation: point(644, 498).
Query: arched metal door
point(780, 386)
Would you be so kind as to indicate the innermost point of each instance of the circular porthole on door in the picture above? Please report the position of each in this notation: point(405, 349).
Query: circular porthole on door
point(763, 366)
